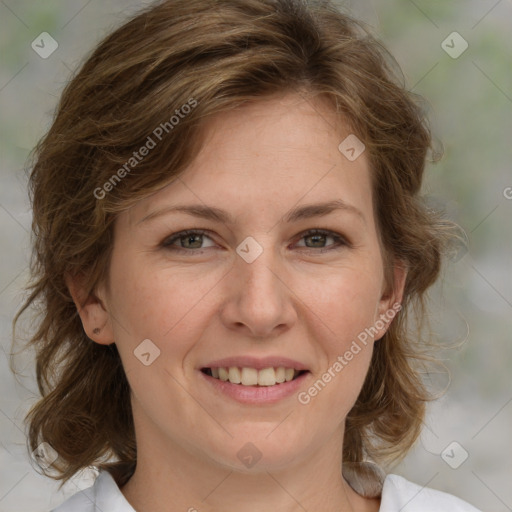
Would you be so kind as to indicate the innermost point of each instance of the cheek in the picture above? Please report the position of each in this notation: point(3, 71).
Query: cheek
point(345, 302)
point(156, 301)
point(169, 307)
point(342, 313)
point(341, 383)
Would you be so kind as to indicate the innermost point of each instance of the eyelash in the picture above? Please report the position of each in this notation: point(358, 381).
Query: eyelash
point(339, 240)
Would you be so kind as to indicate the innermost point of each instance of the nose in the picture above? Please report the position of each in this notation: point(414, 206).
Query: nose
point(259, 303)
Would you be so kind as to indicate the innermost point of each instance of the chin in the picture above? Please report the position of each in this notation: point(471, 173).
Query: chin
point(254, 452)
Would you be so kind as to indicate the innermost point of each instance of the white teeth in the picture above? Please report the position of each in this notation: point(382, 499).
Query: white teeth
point(267, 377)
point(234, 375)
point(280, 374)
point(249, 376)
point(252, 377)
point(288, 374)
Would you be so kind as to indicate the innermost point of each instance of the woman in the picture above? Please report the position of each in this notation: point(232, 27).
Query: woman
point(230, 247)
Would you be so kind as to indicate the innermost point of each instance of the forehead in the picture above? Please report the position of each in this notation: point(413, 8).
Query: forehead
point(269, 156)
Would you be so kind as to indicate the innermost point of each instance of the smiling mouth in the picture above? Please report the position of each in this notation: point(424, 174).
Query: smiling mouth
point(252, 376)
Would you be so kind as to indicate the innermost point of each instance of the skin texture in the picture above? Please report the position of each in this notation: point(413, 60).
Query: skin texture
point(297, 300)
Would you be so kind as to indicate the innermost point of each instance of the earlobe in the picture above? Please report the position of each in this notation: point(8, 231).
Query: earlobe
point(93, 313)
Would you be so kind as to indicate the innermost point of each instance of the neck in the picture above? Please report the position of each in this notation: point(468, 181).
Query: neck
point(186, 481)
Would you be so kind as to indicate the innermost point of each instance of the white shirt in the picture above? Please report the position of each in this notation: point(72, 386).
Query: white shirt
point(398, 495)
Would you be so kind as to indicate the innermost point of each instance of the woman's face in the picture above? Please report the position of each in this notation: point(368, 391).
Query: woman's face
point(252, 290)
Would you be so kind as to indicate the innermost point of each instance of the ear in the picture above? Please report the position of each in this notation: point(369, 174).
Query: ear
point(93, 313)
point(390, 302)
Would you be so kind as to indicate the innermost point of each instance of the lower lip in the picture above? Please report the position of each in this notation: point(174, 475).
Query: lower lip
point(256, 394)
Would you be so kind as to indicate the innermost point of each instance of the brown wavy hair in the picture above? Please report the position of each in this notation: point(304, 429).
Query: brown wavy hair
point(219, 55)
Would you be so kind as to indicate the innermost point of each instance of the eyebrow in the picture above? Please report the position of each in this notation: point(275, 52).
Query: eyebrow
point(299, 213)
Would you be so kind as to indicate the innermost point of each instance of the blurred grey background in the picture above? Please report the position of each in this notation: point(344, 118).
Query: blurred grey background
point(466, 447)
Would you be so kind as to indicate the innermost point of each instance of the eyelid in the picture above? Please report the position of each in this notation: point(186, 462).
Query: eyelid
point(340, 240)
point(168, 241)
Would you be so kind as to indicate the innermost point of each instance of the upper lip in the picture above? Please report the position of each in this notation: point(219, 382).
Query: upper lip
point(256, 362)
